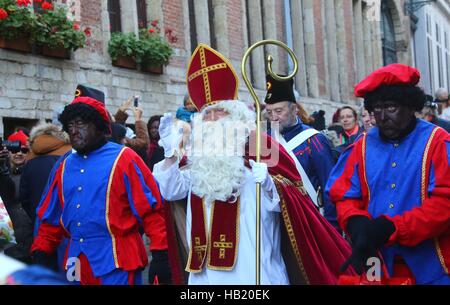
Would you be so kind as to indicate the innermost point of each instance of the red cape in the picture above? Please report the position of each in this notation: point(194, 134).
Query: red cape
point(312, 248)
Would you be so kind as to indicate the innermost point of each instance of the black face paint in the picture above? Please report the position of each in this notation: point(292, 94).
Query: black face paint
point(84, 136)
point(394, 120)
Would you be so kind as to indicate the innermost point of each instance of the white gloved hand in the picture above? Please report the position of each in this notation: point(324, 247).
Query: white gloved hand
point(261, 175)
point(170, 137)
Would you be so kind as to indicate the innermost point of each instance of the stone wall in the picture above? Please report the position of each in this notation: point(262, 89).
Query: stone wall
point(325, 36)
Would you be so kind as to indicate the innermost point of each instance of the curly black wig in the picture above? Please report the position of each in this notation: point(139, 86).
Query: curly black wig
point(412, 97)
point(86, 113)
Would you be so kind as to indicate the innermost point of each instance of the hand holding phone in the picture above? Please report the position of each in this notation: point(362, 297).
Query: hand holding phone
point(136, 100)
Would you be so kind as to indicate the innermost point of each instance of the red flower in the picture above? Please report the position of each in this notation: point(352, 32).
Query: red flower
point(151, 30)
point(38, 1)
point(3, 14)
point(87, 32)
point(76, 27)
point(154, 22)
point(47, 6)
point(23, 2)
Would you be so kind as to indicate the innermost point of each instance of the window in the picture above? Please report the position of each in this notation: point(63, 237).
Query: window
point(115, 23)
point(288, 24)
point(388, 35)
point(192, 25)
point(249, 42)
point(440, 63)
point(430, 62)
point(440, 66)
point(447, 52)
point(212, 33)
point(141, 6)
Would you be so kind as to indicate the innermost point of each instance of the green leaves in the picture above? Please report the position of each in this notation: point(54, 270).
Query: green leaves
point(55, 30)
point(155, 49)
point(51, 27)
point(20, 20)
point(150, 49)
point(122, 44)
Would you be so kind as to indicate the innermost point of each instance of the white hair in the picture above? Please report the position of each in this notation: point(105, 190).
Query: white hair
point(217, 151)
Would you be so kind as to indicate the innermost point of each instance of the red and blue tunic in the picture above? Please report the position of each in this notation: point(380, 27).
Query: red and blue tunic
point(408, 182)
point(99, 201)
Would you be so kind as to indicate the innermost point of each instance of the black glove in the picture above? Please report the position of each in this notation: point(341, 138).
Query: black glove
point(44, 259)
point(361, 247)
point(159, 267)
point(367, 236)
point(380, 230)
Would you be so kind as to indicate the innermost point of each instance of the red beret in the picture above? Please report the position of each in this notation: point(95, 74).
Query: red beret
point(394, 74)
point(19, 136)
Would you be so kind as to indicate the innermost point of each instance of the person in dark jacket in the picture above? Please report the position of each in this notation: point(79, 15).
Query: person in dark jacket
point(47, 144)
point(430, 114)
point(155, 153)
point(11, 166)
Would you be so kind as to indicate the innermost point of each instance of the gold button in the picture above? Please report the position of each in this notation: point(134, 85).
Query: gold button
point(394, 164)
point(391, 206)
point(82, 171)
point(393, 185)
point(80, 188)
point(79, 224)
point(81, 240)
point(78, 206)
point(85, 157)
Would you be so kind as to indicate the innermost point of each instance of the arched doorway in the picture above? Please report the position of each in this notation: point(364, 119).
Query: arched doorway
point(388, 35)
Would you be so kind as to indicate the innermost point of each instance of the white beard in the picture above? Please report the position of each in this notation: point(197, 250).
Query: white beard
point(217, 150)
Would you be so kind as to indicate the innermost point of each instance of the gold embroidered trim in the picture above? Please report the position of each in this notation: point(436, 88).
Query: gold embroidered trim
point(287, 221)
point(363, 152)
point(188, 269)
point(285, 181)
point(205, 76)
point(206, 70)
point(441, 257)
point(208, 265)
point(424, 165)
point(62, 181)
point(108, 192)
point(424, 193)
point(201, 48)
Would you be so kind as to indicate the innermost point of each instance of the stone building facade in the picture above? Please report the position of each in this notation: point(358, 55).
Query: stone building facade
point(337, 43)
point(432, 45)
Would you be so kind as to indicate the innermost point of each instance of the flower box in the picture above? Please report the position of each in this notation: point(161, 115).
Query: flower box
point(125, 62)
point(20, 44)
point(152, 69)
point(148, 47)
point(56, 52)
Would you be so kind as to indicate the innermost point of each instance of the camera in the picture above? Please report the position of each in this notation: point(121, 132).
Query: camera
point(12, 146)
point(136, 100)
